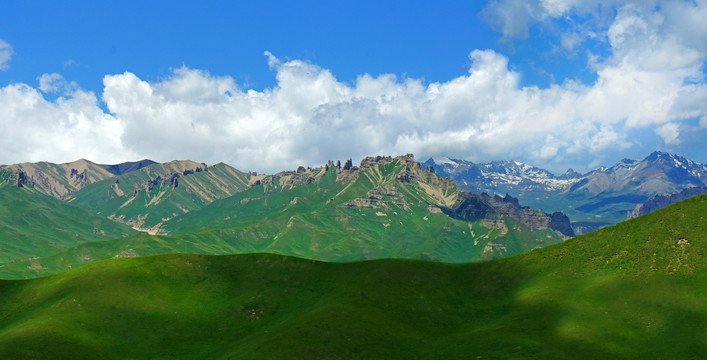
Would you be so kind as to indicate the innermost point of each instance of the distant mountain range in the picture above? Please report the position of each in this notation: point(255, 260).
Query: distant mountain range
point(57, 215)
point(598, 198)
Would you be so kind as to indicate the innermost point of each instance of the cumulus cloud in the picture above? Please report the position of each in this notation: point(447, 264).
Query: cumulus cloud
point(652, 80)
point(6, 53)
point(669, 132)
point(33, 128)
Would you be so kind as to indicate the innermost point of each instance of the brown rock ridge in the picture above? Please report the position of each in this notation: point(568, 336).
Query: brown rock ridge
point(57, 180)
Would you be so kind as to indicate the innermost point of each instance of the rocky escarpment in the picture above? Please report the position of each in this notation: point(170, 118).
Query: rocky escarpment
point(474, 207)
point(171, 179)
point(379, 199)
point(661, 201)
point(344, 173)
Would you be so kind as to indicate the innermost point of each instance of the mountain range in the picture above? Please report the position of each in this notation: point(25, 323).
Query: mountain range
point(385, 208)
point(59, 216)
point(601, 197)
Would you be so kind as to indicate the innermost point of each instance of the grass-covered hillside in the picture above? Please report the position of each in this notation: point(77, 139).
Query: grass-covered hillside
point(33, 225)
point(631, 291)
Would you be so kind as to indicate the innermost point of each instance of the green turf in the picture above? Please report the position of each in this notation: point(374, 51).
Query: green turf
point(631, 291)
point(34, 225)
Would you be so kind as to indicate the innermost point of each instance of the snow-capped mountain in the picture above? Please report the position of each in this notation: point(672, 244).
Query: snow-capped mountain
point(600, 197)
point(499, 176)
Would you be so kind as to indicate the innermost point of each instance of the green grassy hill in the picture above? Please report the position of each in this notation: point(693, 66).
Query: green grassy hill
point(33, 225)
point(631, 291)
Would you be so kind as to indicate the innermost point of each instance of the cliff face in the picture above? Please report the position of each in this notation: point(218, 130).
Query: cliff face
point(471, 206)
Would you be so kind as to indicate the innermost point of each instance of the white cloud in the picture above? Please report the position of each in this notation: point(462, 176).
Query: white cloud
point(669, 132)
point(34, 129)
point(652, 80)
point(47, 82)
point(570, 40)
point(6, 53)
point(53, 83)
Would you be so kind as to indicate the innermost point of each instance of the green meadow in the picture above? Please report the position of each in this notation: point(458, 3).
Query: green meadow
point(635, 290)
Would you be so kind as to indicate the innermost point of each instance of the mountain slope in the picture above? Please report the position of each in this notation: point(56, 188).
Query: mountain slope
point(34, 225)
point(62, 180)
point(57, 180)
point(126, 167)
point(599, 198)
point(147, 197)
point(630, 291)
point(386, 208)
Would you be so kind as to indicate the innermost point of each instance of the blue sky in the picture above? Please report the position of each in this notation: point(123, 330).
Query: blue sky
point(272, 85)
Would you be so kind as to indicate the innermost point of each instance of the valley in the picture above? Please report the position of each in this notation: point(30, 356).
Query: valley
point(632, 290)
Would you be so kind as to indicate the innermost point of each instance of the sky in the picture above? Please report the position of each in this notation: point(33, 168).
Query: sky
point(268, 86)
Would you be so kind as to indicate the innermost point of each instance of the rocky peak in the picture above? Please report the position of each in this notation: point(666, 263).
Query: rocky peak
point(470, 206)
point(371, 161)
point(570, 174)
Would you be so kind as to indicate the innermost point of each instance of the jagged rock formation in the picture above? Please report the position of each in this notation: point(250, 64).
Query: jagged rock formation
point(661, 201)
point(473, 207)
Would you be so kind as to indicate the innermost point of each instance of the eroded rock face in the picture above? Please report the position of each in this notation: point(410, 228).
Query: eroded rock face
point(474, 207)
point(560, 222)
point(378, 199)
point(371, 161)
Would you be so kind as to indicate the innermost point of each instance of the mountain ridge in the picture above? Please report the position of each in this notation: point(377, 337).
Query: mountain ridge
point(597, 198)
point(384, 208)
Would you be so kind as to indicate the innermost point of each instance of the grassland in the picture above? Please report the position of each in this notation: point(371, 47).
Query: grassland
point(631, 291)
point(33, 225)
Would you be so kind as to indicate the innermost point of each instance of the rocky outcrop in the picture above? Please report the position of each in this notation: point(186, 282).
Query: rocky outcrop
point(371, 161)
point(349, 172)
point(482, 206)
point(378, 199)
point(24, 180)
point(561, 222)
